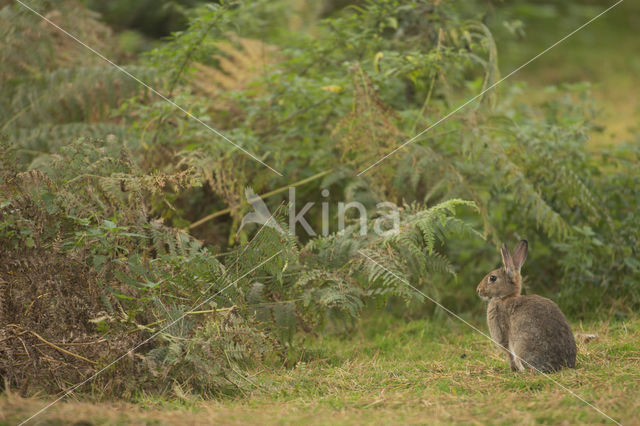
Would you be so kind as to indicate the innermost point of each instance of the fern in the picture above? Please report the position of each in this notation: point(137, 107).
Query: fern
point(54, 87)
point(412, 254)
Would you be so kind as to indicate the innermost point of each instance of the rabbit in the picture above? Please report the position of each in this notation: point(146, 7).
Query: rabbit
point(531, 329)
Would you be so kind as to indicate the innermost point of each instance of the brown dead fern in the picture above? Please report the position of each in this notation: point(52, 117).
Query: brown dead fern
point(239, 62)
point(369, 131)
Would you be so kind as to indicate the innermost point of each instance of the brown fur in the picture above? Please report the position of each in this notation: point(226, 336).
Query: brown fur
point(532, 330)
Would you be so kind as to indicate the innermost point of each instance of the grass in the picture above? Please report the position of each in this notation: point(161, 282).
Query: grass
point(402, 372)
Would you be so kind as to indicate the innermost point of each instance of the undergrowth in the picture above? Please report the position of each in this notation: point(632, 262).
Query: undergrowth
point(390, 371)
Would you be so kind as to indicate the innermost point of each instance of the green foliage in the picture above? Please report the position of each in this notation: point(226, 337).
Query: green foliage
point(53, 92)
point(215, 314)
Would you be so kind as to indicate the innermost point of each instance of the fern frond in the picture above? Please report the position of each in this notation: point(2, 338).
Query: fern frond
point(74, 94)
point(239, 61)
point(49, 138)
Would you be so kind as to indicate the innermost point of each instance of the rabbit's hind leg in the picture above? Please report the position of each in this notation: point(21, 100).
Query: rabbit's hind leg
point(515, 361)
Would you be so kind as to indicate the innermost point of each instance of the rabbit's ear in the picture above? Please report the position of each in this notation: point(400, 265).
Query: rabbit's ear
point(506, 259)
point(520, 254)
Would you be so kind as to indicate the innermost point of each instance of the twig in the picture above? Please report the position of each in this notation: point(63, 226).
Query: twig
point(208, 311)
point(176, 77)
point(82, 343)
point(266, 195)
point(24, 346)
point(42, 339)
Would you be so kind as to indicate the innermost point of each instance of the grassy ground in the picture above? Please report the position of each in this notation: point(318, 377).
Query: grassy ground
point(391, 371)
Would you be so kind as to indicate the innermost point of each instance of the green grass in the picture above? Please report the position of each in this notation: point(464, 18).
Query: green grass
point(395, 371)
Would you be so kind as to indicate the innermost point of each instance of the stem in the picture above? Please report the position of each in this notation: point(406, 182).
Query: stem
point(426, 102)
point(265, 195)
point(176, 77)
point(61, 349)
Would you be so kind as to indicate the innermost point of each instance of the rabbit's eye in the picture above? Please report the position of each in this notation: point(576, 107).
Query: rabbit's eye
point(493, 278)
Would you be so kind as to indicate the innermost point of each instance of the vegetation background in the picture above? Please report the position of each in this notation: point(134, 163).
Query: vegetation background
point(122, 216)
